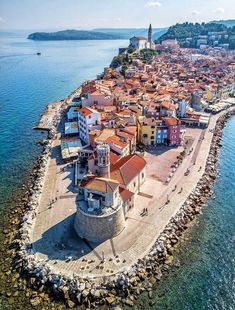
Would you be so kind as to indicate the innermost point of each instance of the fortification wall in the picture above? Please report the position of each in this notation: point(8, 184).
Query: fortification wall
point(99, 228)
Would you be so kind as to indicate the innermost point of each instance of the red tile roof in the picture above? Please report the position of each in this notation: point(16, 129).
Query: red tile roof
point(125, 194)
point(139, 38)
point(101, 185)
point(85, 111)
point(115, 141)
point(171, 121)
point(168, 105)
point(113, 157)
point(127, 168)
point(96, 93)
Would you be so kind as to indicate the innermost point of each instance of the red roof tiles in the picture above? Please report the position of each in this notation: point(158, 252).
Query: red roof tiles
point(127, 168)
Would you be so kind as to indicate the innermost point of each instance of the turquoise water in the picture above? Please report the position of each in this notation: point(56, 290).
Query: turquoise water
point(206, 278)
point(28, 82)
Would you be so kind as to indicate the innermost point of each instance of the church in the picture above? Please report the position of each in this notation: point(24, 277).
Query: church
point(140, 42)
point(107, 193)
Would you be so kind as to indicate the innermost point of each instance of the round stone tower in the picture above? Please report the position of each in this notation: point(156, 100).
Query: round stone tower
point(103, 150)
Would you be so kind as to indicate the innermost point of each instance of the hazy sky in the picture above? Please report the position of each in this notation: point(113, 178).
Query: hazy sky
point(52, 14)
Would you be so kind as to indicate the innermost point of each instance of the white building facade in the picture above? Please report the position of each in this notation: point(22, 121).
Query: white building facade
point(87, 119)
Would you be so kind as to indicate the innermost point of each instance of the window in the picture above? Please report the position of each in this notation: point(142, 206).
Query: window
point(89, 116)
point(145, 135)
point(152, 127)
point(142, 175)
point(152, 137)
point(174, 131)
point(165, 130)
point(152, 132)
point(134, 184)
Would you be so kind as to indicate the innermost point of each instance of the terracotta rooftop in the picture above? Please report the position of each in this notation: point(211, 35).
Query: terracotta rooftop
point(125, 194)
point(101, 185)
point(85, 111)
point(139, 38)
point(171, 121)
point(116, 141)
point(96, 93)
point(127, 168)
point(168, 105)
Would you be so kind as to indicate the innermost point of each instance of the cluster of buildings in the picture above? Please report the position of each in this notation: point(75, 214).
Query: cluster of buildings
point(148, 107)
point(213, 38)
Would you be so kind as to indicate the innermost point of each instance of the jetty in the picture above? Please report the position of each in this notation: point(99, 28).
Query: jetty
point(50, 117)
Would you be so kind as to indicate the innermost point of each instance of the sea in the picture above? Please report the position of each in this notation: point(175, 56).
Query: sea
point(205, 278)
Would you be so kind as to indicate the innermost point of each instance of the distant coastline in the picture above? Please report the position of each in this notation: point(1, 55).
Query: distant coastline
point(96, 34)
point(72, 35)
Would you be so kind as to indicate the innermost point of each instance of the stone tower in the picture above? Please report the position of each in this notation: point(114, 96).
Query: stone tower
point(150, 36)
point(103, 160)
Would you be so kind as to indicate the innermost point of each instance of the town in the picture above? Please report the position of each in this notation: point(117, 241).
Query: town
point(130, 142)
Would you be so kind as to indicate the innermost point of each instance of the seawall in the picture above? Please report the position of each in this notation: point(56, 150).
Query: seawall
point(142, 275)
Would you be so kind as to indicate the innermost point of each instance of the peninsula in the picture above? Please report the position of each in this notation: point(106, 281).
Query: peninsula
point(128, 163)
point(72, 35)
point(95, 34)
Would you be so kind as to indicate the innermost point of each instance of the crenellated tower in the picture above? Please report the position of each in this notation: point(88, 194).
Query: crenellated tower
point(103, 151)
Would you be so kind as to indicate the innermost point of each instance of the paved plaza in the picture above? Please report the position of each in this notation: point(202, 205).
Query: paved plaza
point(55, 240)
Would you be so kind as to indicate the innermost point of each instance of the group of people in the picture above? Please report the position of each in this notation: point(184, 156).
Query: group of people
point(144, 212)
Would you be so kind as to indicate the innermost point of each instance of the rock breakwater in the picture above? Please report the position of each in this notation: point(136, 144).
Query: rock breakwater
point(125, 286)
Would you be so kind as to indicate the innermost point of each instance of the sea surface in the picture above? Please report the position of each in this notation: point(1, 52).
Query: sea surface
point(205, 278)
point(28, 82)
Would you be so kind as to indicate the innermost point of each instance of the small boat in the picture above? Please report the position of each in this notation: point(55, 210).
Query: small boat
point(38, 53)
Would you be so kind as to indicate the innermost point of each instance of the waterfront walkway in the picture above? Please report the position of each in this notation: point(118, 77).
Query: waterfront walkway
point(54, 238)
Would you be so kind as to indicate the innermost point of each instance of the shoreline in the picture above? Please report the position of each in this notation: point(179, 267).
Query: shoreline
point(148, 268)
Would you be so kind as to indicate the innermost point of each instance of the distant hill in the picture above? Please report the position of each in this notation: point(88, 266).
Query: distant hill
point(73, 35)
point(127, 33)
point(193, 35)
point(96, 34)
point(227, 23)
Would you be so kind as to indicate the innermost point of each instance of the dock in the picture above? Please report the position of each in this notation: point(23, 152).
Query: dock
point(51, 116)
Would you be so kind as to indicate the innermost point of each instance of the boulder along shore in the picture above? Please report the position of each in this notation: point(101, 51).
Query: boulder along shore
point(122, 288)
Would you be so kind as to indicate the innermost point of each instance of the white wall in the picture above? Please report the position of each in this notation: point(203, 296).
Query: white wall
point(134, 185)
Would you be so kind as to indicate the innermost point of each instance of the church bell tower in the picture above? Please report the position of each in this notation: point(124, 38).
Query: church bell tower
point(150, 36)
point(103, 151)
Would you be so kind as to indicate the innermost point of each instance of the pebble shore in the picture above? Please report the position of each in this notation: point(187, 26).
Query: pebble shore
point(124, 287)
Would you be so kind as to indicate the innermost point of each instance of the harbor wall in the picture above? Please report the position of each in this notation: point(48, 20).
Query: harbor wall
point(98, 228)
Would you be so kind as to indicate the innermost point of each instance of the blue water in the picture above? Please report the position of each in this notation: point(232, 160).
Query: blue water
point(206, 278)
point(28, 82)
